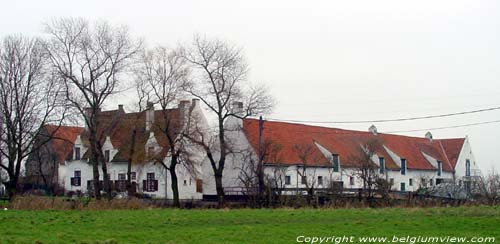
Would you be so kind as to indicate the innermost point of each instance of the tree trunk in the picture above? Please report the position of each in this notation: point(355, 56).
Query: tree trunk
point(220, 189)
point(174, 184)
point(95, 167)
point(129, 163)
point(107, 183)
point(11, 188)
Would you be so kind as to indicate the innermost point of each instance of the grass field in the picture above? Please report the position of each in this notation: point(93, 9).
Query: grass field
point(241, 225)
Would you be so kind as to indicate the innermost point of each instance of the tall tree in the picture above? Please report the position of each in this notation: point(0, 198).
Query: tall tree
point(219, 80)
point(161, 73)
point(29, 98)
point(90, 60)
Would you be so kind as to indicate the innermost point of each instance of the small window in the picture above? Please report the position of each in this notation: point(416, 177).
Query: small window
point(467, 167)
point(151, 152)
point(199, 185)
point(382, 165)
point(288, 180)
point(403, 166)
point(336, 163)
point(150, 176)
point(403, 186)
point(303, 179)
point(320, 180)
point(391, 181)
point(106, 156)
point(77, 153)
point(351, 180)
point(440, 168)
point(410, 182)
point(122, 176)
point(185, 182)
point(424, 183)
point(133, 176)
point(76, 180)
point(431, 182)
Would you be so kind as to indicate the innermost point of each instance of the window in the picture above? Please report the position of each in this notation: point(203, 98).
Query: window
point(288, 180)
point(410, 182)
point(431, 182)
point(151, 151)
point(403, 166)
point(467, 167)
point(303, 180)
point(150, 185)
point(440, 168)
point(122, 176)
point(76, 180)
point(185, 182)
point(320, 180)
point(382, 165)
point(423, 182)
point(133, 176)
point(351, 180)
point(391, 181)
point(403, 186)
point(106, 156)
point(77, 153)
point(336, 163)
point(199, 185)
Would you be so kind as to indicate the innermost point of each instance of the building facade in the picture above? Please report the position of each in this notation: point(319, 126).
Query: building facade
point(140, 138)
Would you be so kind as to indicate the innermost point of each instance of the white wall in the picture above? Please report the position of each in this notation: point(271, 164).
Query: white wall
point(465, 154)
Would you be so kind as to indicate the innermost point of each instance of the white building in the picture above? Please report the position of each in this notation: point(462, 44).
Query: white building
point(299, 156)
point(75, 173)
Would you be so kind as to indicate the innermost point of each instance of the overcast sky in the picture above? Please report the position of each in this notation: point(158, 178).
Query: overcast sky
point(333, 60)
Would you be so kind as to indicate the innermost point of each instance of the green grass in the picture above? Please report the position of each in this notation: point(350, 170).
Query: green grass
point(241, 225)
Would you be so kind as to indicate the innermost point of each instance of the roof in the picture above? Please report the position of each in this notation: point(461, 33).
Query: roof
point(452, 148)
point(63, 138)
point(349, 144)
point(120, 127)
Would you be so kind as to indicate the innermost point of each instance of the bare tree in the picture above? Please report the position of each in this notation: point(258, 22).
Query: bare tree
point(219, 80)
point(161, 73)
point(90, 60)
point(305, 170)
point(488, 187)
point(29, 98)
point(366, 170)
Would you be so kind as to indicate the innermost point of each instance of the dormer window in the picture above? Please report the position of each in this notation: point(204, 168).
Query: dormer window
point(77, 153)
point(440, 168)
point(336, 163)
point(403, 166)
point(151, 152)
point(382, 164)
point(106, 156)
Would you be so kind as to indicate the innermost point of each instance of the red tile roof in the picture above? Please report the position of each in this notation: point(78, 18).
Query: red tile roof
point(63, 138)
point(452, 148)
point(348, 144)
point(118, 125)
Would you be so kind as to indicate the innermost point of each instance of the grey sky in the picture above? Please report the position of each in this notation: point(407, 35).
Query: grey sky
point(334, 60)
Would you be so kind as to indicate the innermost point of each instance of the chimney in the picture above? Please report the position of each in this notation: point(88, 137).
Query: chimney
point(120, 107)
point(373, 130)
point(184, 107)
point(195, 102)
point(150, 115)
point(428, 135)
point(237, 108)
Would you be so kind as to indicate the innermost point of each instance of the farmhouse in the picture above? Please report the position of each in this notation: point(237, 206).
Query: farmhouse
point(297, 156)
point(64, 161)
